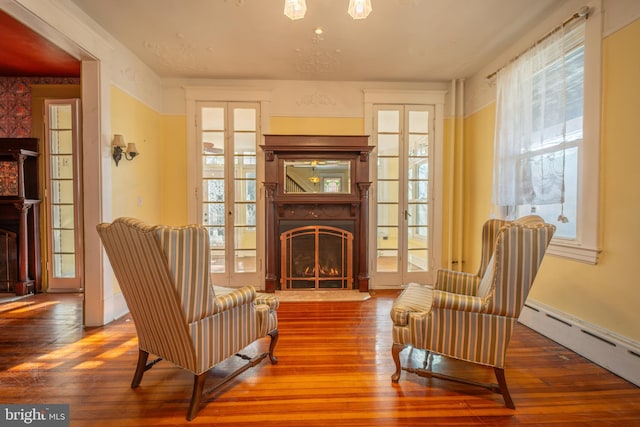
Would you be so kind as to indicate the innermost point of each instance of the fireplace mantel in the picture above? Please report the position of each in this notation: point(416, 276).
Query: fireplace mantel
point(346, 200)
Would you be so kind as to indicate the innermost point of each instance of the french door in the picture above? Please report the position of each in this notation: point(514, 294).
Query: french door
point(63, 216)
point(403, 137)
point(227, 140)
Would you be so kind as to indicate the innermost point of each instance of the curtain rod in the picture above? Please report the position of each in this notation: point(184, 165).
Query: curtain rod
point(583, 12)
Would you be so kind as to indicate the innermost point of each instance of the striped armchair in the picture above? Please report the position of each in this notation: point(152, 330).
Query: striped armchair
point(164, 276)
point(471, 316)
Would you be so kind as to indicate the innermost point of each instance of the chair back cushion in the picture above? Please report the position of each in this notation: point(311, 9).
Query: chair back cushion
point(520, 248)
point(186, 250)
point(489, 235)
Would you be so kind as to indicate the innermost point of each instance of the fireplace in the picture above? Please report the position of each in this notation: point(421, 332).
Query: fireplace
point(317, 191)
point(316, 257)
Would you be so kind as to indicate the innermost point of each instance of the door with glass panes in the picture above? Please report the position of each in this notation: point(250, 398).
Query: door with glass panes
point(403, 137)
point(63, 219)
point(228, 140)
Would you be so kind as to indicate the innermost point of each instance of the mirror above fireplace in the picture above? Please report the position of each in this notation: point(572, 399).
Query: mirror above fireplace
point(317, 176)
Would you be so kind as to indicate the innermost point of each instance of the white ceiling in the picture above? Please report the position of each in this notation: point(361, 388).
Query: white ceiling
point(401, 40)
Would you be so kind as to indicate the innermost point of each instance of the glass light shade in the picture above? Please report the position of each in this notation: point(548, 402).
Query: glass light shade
point(118, 141)
point(359, 9)
point(295, 9)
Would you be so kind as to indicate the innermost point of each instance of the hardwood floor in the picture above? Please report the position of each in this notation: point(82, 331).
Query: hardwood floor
point(334, 369)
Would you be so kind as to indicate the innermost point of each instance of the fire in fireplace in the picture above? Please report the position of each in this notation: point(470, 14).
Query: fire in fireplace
point(317, 257)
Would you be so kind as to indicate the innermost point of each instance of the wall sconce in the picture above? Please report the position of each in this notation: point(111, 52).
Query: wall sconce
point(120, 148)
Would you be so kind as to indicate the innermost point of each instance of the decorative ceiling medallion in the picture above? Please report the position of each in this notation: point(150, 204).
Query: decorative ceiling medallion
point(317, 60)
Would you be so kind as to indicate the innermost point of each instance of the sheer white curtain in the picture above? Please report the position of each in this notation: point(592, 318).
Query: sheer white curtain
point(538, 117)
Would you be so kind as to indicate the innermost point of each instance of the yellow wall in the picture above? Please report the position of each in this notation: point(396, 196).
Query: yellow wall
point(477, 181)
point(316, 125)
point(605, 294)
point(174, 170)
point(451, 153)
point(137, 184)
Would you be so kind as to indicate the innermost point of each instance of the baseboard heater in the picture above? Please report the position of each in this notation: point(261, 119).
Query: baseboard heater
point(615, 353)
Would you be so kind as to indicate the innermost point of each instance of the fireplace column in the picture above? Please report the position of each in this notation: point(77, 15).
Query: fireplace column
point(271, 279)
point(363, 253)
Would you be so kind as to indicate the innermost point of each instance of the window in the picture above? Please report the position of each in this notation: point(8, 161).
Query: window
point(332, 185)
point(544, 149)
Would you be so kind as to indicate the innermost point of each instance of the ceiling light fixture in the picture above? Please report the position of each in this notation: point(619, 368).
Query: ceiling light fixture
point(295, 9)
point(359, 9)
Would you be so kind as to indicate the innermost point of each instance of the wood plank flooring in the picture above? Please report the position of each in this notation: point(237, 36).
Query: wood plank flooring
point(334, 370)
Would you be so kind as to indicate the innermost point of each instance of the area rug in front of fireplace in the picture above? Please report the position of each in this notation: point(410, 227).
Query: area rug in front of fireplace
point(322, 295)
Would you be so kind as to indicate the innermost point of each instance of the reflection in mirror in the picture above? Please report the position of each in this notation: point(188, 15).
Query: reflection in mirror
point(317, 176)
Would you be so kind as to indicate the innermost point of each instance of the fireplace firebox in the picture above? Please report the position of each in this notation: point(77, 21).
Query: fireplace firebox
point(316, 257)
point(317, 190)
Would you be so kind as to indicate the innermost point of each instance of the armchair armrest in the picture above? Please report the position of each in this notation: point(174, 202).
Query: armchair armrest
point(458, 302)
point(414, 299)
point(456, 282)
point(267, 299)
point(227, 298)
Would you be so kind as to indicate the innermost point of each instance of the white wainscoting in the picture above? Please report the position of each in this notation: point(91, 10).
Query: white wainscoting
point(613, 352)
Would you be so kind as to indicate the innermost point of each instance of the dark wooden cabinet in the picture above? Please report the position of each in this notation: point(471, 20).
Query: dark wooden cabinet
point(20, 264)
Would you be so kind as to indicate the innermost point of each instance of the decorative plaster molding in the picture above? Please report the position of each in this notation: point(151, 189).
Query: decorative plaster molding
point(180, 54)
point(316, 99)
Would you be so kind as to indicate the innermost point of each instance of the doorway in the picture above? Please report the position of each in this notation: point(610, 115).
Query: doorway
point(63, 231)
point(57, 125)
point(403, 135)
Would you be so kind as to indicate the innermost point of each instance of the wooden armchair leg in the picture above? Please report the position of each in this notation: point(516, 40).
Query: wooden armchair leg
point(196, 395)
point(272, 346)
point(142, 366)
point(395, 353)
point(502, 382)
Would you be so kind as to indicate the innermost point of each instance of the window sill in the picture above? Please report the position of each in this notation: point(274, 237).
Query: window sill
point(567, 251)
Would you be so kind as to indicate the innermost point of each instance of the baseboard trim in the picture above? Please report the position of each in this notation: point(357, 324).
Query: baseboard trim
point(613, 352)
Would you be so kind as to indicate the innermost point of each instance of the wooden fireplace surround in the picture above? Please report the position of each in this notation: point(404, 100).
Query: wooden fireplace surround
point(350, 205)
